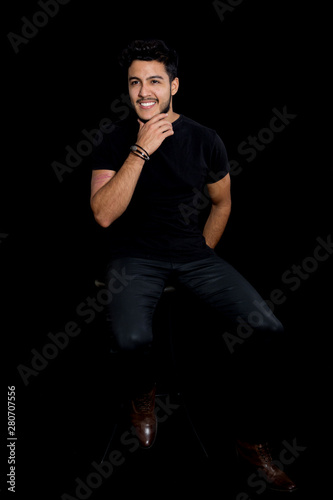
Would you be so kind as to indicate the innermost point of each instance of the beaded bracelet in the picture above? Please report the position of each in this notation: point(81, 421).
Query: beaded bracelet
point(136, 149)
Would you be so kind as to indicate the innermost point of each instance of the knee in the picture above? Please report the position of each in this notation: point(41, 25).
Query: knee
point(268, 335)
point(267, 323)
point(275, 327)
point(132, 340)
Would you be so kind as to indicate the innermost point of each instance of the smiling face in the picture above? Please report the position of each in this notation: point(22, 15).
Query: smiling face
point(150, 89)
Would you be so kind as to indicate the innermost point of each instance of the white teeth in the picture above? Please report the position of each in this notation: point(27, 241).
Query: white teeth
point(146, 104)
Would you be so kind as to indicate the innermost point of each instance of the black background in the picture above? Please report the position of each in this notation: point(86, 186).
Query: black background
point(233, 73)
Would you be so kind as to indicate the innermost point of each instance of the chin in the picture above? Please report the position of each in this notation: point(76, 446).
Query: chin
point(145, 117)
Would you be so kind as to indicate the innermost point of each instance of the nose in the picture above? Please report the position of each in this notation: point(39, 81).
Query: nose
point(143, 91)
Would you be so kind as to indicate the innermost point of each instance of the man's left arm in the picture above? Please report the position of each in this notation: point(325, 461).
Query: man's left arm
point(220, 195)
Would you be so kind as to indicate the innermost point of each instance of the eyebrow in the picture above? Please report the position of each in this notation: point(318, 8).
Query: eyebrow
point(149, 77)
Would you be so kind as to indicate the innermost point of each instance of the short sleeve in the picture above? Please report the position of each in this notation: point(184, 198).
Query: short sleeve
point(219, 165)
point(111, 153)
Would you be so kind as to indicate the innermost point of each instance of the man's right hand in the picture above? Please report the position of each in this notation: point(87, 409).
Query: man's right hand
point(153, 132)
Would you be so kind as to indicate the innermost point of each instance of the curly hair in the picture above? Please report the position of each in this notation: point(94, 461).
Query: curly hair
point(151, 50)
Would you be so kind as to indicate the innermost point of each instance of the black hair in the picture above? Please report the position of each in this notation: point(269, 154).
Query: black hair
point(151, 50)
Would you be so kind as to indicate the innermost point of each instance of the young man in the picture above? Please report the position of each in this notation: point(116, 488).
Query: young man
point(145, 182)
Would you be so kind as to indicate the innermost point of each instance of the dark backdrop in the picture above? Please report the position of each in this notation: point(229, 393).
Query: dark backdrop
point(241, 64)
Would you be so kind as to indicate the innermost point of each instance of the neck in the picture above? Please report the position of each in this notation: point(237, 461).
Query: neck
point(172, 116)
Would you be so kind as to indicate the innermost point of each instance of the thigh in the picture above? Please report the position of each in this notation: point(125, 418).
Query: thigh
point(136, 286)
point(221, 286)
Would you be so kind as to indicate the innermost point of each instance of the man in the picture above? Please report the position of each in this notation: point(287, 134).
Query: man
point(145, 182)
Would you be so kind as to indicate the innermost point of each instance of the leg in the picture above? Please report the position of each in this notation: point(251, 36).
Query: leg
point(218, 284)
point(257, 383)
point(133, 305)
point(131, 312)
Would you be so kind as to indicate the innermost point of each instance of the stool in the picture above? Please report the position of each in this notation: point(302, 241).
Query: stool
point(168, 292)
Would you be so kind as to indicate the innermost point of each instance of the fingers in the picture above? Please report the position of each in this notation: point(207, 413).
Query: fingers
point(152, 133)
point(168, 132)
point(160, 123)
point(166, 128)
point(155, 119)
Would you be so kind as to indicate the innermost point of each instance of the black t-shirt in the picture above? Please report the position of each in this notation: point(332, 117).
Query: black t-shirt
point(162, 219)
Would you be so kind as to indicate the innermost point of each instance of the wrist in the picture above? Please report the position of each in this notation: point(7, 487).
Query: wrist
point(138, 150)
point(136, 159)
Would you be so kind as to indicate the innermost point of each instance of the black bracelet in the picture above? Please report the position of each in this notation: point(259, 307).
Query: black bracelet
point(137, 145)
point(136, 150)
point(139, 155)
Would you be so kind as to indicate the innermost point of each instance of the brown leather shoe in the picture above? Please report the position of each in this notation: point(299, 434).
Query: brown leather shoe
point(259, 456)
point(144, 419)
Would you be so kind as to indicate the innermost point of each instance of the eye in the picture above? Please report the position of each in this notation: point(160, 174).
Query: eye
point(134, 82)
point(155, 81)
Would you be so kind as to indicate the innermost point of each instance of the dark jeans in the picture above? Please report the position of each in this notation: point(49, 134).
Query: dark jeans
point(215, 282)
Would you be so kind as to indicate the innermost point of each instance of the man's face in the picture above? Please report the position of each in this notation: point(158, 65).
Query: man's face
point(150, 89)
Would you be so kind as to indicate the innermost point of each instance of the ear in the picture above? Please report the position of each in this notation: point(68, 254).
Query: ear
point(174, 86)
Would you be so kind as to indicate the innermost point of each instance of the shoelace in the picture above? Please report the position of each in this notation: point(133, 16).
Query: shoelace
point(144, 403)
point(265, 453)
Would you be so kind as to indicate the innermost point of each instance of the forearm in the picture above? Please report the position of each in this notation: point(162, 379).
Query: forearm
point(216, 223)
point(111, 200)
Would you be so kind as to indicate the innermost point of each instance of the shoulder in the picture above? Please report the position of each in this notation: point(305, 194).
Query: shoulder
point(196, 126)
point(204, 135)
point(200, 131)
